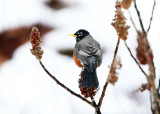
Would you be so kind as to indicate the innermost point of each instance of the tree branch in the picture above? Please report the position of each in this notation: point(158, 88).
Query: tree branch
point(151, 16)
point(136, 60)
point(106, 84)
point(63, 86)
point(139, 17)
point(103, 94)
point(97, 109)
point(132, 21)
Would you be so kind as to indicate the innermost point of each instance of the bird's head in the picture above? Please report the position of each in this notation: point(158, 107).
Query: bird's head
point(80, 34)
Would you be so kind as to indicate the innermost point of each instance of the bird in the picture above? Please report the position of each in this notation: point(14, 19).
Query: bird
point(87, 54)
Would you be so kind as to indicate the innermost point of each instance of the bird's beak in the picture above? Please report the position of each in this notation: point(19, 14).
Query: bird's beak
point(73, 35)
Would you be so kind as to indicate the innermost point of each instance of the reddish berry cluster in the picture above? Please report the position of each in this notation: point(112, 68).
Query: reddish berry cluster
point(141, 56)
point(143, 51)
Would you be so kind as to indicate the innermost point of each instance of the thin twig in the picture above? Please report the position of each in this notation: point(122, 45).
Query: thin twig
point(158, 90)
point(132, 21)
point(106, 84)
point(139, 17)
point(63, 86)
point(151, 16)
point(151, 100)
point(155, 102)
point(154, 72)
point(116, 50)
point(97, 109)
point(158, 93)
point(135, 60)
point(103, 93)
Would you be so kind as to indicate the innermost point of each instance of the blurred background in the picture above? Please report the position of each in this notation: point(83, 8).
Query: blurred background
point(26, 89)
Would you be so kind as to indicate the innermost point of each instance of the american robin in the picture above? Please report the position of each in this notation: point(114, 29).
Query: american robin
point(88, 55)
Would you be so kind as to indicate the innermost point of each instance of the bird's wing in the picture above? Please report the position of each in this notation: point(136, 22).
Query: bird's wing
point(86, 50)
point(90, 51)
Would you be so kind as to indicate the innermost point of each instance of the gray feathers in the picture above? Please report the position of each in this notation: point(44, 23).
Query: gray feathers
point(86, 48)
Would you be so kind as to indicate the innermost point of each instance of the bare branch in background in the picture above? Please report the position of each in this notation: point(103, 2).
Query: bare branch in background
point(132, 21)
point(139, 17)
point(158, 91)
point(135, 60)
point(151, 16)
point(56, 4)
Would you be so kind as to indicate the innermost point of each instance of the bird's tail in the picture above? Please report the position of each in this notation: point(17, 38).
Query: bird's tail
point(89, 78)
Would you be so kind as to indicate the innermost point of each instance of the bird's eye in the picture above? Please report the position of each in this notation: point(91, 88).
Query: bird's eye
point(81, 33)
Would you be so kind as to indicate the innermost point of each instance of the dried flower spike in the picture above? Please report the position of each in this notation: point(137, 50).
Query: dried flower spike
point(126, 3)
point(143, 51)
point(112, 78)
point(120, 22)
point(36, 41)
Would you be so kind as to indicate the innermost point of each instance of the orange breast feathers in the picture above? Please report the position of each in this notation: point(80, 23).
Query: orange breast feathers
point(78, 63)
